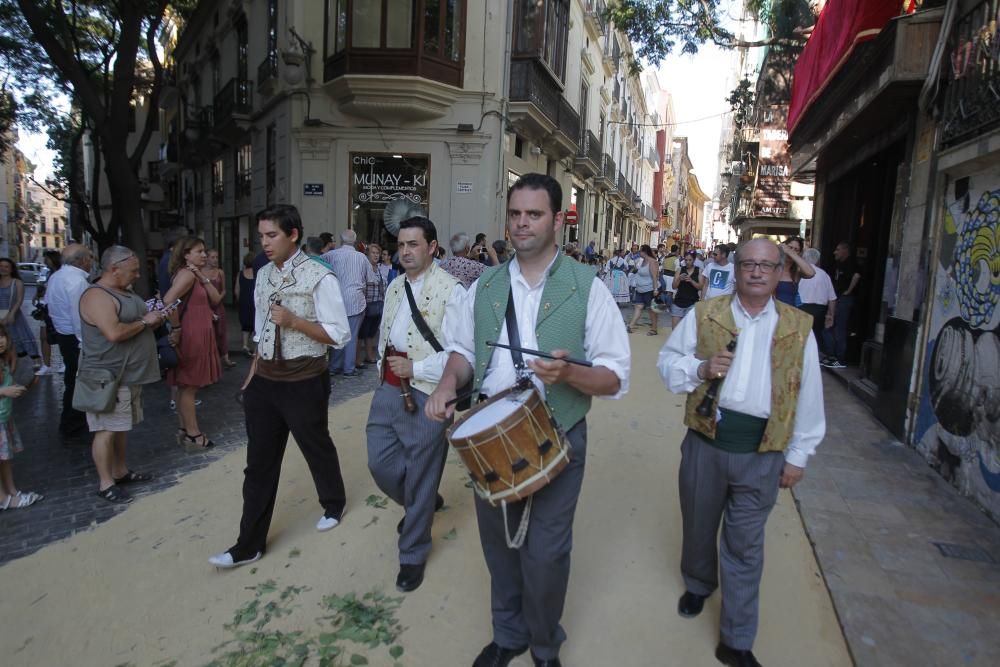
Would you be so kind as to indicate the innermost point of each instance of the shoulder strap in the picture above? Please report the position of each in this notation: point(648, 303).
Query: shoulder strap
point(513, 334)
point(419, 320)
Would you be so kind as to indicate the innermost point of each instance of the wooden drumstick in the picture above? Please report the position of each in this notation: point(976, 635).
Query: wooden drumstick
point(543, 355)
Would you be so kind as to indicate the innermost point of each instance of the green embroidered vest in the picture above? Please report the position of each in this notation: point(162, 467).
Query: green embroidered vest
point(561, 324)
point(716, 327)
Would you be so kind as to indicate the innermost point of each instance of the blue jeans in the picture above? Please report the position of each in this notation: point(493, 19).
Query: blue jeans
point(836, 338)
point(344, 358)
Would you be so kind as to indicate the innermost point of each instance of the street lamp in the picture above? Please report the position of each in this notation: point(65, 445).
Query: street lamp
point(297, 59)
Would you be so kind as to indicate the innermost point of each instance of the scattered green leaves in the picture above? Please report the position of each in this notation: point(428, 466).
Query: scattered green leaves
point(294, 553)
point(376, 501)
point(451, 534)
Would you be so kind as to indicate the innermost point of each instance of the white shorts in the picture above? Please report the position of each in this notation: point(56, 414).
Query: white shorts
point(121, 418)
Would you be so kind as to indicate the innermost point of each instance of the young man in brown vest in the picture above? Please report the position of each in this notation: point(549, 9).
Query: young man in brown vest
point(756, 438)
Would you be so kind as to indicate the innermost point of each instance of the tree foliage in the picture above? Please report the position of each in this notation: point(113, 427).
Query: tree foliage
point(101, 56)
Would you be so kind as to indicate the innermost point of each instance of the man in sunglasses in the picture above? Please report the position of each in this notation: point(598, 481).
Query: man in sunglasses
point(753, 440)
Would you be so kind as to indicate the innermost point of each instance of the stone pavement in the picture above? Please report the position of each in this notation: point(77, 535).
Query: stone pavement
point(912, 566)
point(62, 470)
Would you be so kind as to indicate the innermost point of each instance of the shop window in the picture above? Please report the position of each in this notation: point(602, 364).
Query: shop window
point(378, 180)
point(400, 37)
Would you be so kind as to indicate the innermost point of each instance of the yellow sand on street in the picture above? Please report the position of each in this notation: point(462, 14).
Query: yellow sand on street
point(138, 590)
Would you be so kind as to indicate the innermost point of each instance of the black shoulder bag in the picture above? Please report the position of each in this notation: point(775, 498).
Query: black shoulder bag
point(464, 393)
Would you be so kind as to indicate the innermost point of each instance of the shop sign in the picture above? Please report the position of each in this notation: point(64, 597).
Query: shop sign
point(772, 194)
point(380, 179)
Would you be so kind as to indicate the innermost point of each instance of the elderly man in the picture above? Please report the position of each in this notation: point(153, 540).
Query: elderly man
point(354, 272)
point(63, 298)
point(464, 263)
point(118, 343)
point(755, 439)
point(819, 300)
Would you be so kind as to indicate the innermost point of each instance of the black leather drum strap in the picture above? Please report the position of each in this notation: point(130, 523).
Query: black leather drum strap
point(513, 335)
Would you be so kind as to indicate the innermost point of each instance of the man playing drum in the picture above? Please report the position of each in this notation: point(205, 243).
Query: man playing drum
point(406, 450)
point(559, 307)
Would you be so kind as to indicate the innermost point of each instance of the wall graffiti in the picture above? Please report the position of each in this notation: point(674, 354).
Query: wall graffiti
point(958, 423)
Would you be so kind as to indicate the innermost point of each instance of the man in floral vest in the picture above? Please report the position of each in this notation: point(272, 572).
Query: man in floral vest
point(407, 450)
point(561, 307)
point(741, 448)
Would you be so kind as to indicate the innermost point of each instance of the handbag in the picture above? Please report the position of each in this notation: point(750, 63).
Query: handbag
point(96, 389)
point(464, 392)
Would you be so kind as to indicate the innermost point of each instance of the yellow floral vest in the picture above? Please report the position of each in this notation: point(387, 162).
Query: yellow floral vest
point(716, 327)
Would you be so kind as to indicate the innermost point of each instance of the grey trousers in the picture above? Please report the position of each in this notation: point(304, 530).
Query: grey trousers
point(528, 585)
point(739, 489)
point(406, 455)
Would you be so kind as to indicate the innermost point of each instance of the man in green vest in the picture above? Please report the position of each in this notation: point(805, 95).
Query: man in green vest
point(562, 308)
point(752, 440)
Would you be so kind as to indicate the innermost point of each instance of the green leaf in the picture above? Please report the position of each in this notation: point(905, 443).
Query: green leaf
point(451, 534)
point(358, 659)
point(396, 651)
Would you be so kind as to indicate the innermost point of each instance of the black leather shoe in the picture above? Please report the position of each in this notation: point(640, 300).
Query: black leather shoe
point(438, 504)
point(410, 577)
point(690, 605)
point(734, 658)
point(551, 662)
point(497, 656)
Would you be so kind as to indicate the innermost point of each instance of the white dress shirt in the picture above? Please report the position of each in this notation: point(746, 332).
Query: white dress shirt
point(329, 303)
point(62, 295)
point(428, 369)
point(605, 339)
point(818, 289)
point(747, 386)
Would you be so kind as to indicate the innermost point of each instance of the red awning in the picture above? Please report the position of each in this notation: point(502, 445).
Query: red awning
point(842, 25)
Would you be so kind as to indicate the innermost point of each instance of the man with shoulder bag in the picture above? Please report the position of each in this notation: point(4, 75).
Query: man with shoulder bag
point(406, 449)
point(117, 357)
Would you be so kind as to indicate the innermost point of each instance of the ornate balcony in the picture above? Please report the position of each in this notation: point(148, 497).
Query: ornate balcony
point(604, 178)
point(534, 97)
point(231, 110)
point(588, 157)
point(267, 74)
point(971, 104)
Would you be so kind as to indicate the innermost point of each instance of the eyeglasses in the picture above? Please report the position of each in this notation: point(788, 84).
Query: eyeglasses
point(750, 265)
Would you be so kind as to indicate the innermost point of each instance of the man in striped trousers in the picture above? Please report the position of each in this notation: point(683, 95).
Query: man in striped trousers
point(744, 446)
point(406, 450)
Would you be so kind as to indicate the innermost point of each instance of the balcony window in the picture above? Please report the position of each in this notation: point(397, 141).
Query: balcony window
point(271, 157)
point(218, 185)
point(542, 31)
point(242, 158)
point(400, 37)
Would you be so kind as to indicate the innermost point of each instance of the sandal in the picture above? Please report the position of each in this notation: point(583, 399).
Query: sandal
point(651, 332)
point(115, 494)
point(132, 477)
point(180, 435)
point(228, 363)
point(628, 328)
point(23, 500)
point(199, 440)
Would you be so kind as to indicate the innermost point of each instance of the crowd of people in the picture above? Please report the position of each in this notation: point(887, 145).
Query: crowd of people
point(519, 316)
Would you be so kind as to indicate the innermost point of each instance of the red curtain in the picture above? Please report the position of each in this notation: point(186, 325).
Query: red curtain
point(842, 25)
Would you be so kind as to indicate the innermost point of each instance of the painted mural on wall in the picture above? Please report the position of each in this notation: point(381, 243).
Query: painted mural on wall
point(958, 426)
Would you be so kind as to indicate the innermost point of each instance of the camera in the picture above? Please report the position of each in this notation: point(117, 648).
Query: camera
point(484, 256)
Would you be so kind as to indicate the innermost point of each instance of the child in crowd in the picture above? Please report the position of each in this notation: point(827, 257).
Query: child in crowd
point(10, 441)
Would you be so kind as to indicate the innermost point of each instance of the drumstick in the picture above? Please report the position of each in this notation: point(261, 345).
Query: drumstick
point(543, 355)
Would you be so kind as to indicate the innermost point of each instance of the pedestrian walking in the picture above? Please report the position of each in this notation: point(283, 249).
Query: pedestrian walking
point(374, 300)
point(117, 358)
point(192, 334)
point(11, 298)
point(617, 277)
point(793, 270)
point(243, 289)
point(688, 285)
point(647, 280)
point(746, 438)
point(46, 330)
point(464, 262)
point(819, 300)
point(299, 314)
point(528, 584)
point(846, 280)
point(217, 277)
point(353, 271)
point(720, 274)
point(406, 448)
point(10, 440)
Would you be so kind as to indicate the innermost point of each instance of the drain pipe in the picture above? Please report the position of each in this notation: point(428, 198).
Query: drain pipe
point(504, 109)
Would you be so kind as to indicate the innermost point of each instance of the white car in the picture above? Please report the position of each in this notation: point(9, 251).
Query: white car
point(33, 273)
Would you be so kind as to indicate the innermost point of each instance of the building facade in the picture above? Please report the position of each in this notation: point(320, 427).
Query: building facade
point(356, 110)
point(46, 218)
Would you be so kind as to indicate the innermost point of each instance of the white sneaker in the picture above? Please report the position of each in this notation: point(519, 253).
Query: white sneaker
point(44, 370)
point(326, 523)
point(59, 369)
point(224, 561)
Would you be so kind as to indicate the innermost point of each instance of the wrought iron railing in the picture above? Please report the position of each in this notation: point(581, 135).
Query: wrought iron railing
point(608, 170)
point(530, 82)
point(243, 184)
point(590, 148)
point(621, 183)
point(236, 97)
point(569, 120)
point(972, 98)
point(268, 69)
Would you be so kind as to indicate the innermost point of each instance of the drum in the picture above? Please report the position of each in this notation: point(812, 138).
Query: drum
point(511, 445)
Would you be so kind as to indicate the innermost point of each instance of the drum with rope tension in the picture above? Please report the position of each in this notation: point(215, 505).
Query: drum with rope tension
point(511, 445)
